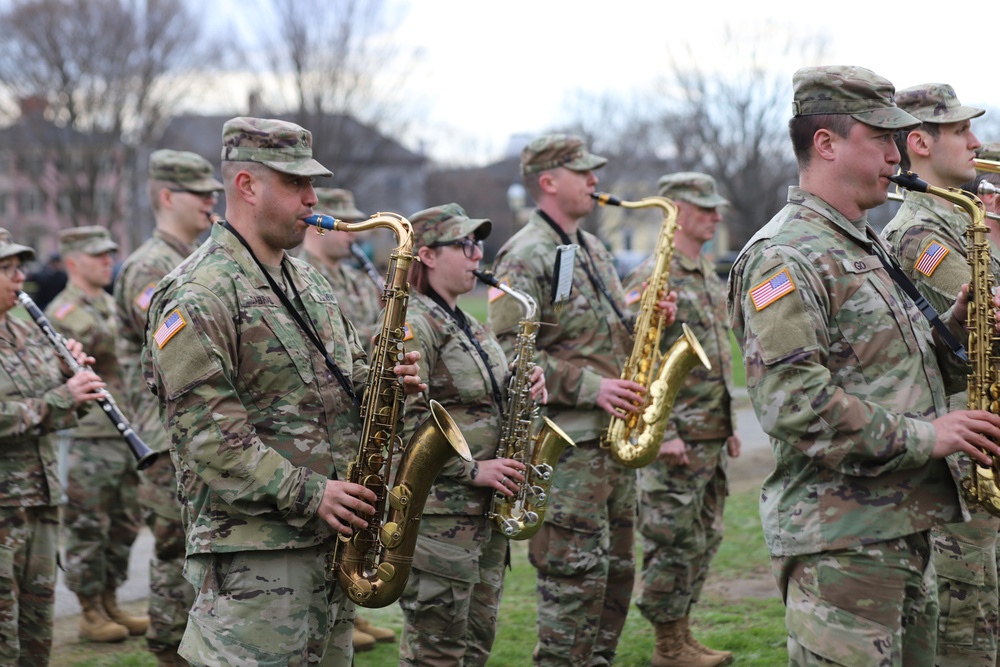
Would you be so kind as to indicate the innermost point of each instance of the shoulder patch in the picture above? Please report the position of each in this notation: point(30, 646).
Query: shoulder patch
point(142, 301)
point(495, 293)
point(772, 289)
point(633, 296)
point(931, 257)
point(407, 332)
point(174, 323)
point(64, 310)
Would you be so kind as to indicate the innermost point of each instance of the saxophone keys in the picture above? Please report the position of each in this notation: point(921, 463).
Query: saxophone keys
point(360, 590)
point(400, 498)
point(386, 571)
point(530, 518)
point(391, 535)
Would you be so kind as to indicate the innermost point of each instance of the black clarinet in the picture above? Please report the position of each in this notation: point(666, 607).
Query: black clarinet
point(144, 456)
point(368, 266)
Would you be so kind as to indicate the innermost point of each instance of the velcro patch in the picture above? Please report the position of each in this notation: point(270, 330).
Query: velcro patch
point(633, 296)
point(169, 328)
point(407, 332)
point(931, 258)
point(145, 297)
point(772, 289)
point(64, 310)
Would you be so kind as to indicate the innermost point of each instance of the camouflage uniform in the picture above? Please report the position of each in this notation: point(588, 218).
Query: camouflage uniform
point(170, 595)
point(963, 553)
point(452, 596)
point(844, 377)
point(34, 403)
point(584, 550)
point(254, 416)
point(681, 507)
point(102, 510)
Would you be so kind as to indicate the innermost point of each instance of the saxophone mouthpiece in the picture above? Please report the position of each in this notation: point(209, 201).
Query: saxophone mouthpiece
point(910, 181)
point(606, 199)
point(320, 221)
point(486, 277)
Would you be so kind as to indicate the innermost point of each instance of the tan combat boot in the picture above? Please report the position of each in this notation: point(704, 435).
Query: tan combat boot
point(363, 641)
point(725, 655)
point(136, 625)
point(672, 649)
point(380, 634)
point(95, 624)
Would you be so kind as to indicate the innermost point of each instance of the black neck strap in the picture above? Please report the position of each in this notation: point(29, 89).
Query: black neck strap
point(310, 329)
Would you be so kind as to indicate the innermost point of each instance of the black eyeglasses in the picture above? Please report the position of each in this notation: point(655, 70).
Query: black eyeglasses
point(10, 270)
point(211, 194)
point(468, 246)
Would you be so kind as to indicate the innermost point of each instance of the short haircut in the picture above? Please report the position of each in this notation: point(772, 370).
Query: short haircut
point(531, 184)
point(802, 129)
point(153, 187)
point(232, 167)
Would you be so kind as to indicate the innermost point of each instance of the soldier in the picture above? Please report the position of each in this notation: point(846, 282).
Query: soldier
point(102, 511)
point(990, 152)
point(926, 235)
point(845, 379)
point(682, 494)
point(584, 551)
point(452, 596)
point(38, 396)
point(357, 295)
point(182, 194)
point(258, 373)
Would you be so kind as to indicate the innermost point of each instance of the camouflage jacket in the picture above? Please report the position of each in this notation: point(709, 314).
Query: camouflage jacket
point(248, 403)
point(357, 296)
point(703, 408)
point(457, 378)
point(580, 342)
point(842, 374)
point(91, 321)
point(34, 403)
point(137, 278)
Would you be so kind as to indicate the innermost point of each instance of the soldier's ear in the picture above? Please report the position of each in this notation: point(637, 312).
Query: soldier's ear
point(428, 256)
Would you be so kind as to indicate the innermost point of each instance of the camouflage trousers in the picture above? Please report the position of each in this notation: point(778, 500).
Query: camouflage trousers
point(170, 594)
point(866, 606)
point(101, 514)
point(452, 596)
point(964, 558)
point(29, 538)
point(267, 608)
point(585, 560)
point(680, 521)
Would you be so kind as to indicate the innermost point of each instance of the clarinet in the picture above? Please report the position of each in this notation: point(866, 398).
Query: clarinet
point(368, 266)
point(144, 456)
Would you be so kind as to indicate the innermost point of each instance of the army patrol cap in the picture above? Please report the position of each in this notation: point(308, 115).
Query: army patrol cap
point(558, 150)
point(856, 91)
point(10, 249)
point(441, 224)
point(278, 144)
point(935, 103)
point(186, 170)
point(337, 203)
point(990, 151)
point(91, 240)
point(692, 187)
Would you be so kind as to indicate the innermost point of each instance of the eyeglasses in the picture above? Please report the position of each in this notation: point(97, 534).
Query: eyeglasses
point(10, 270)
point(468, 246)
point(211, 194)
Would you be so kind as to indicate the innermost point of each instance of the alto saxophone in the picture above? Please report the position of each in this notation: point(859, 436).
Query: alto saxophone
point(372, 565)
point(982, 485)
point(634, 439)
point(520, 516)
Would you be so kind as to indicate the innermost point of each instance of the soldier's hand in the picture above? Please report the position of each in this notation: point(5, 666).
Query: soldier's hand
point(85, 386)
point(733, 446)
point(344, 504)
point(504, 475)
point(666, 307)
point(617, 396)
point(960, 310)
point(673, 452)
point(407, 372)
point(969, 432)
point(538, 391)
point(76, 349)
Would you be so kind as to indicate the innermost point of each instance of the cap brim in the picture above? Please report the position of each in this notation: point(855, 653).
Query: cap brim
point(306, 167)
point(887, 118)
point(207, 184)
point(15, 250)
point(341, 213)
point(588, 162)
point(101, 247)
point(709, 202)
point(480, 227)
point(958, 114)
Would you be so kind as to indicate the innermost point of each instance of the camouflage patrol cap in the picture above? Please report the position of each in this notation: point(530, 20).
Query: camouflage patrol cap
point(692, 187)
point(441, 224)
point(186, 170)
point(935, 103)
point(280, 145)
point(91, 240)
point(990, 151)
point(856, 91)
point(337, 203)
point(10, 249)
point(558, 150)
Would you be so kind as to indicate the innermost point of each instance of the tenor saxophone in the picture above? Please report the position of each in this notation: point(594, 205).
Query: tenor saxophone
point(372, 564)
point(521, 515)
point(634, 439)
point(982, 484)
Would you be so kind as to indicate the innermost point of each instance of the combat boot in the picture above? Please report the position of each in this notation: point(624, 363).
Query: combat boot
point(380, 634)
point(136, 625)
point(95, 624)
point(167, 657)
point(363, 641)
point(672, 649)
point(686, 625)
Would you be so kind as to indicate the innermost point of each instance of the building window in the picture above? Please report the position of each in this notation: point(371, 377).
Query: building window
point(30, 201)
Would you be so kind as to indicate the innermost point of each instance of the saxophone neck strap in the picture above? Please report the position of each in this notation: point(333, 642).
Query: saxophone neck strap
point(895, 272)
point(308, 329)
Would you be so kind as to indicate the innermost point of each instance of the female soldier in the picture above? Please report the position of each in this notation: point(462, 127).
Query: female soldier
point(452, 597)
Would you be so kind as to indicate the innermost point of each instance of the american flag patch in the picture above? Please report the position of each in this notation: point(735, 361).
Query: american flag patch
point(407, 331)
point(64, 310)
point(495, 293)
point(931, 257)
point(632, 297)
point(147, 295)
point(170, 326)
point(772, 289)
